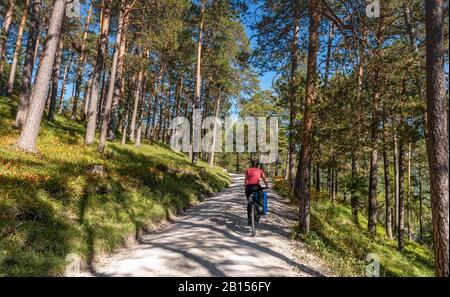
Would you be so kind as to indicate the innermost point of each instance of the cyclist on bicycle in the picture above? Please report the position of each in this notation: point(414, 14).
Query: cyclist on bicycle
point(251, 182)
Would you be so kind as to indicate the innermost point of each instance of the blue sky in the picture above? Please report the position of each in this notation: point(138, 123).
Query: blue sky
point(266, 80)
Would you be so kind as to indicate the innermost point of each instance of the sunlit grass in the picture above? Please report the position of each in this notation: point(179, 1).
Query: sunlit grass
point(50, 204)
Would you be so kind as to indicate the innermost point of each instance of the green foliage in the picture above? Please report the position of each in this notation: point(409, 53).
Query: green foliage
point(357, 185)
point(344, 245)
point(280, 185)
point(51, 205)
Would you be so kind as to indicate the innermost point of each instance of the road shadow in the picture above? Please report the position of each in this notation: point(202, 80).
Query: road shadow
point(203, 234)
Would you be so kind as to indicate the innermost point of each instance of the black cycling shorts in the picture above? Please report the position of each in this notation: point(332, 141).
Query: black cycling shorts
point(249, 189)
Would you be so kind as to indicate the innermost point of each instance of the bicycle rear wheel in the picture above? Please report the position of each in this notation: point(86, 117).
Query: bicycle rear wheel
point(253, 218)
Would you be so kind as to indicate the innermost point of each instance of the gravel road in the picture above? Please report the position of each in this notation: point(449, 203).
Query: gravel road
point(213, 239)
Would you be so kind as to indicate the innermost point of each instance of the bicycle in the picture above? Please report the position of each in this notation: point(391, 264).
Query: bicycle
point(255, 212)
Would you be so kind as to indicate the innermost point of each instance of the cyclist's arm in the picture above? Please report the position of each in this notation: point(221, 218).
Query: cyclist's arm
point(263, 176)
point(245, 180)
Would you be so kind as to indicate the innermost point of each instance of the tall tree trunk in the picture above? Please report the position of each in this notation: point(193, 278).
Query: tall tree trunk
point(198, 80)
point(437, 142)
point(5, 30)
point(112, 80)
point(313, 174)
point(397, 181)
point(318, 181)
point(82, 61)
point(148, 126)
point(38, 40)
point(49, 92)
point(162, 112)
point(25, 94)
point(102, 101)
point(373, 171)
point(335, 184)
point(87, 96)
point(162, 100)
point(420, 204)
point(277, 169)
point(186, 102)
point(137, 96)
point(28, 136)
point(125, 126)
point(204, 106)
point(43, 32)
point(213, 145)
point(332, 194)
point(354, 198)
point(298, 177)
point(177, 103)
point(167, 117)
point(293, 95)
point(179, 97)
point(387, 188)
point(101, 53)
point(153, 119)
point(401, 196)
point(373, 183)
point(119, 89)
point(408, 209)
point(286, 167)
point(155, 99)
point(329, 181)
point(55, 80)
point(12, 73)
point(64, 82)
point(329, 47)
point(306, 153)
point(138, 135)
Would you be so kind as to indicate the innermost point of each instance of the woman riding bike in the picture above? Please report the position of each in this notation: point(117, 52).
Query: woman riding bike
point(251, 182)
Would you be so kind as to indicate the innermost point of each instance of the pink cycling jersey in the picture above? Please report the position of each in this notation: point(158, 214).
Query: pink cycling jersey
point(253, 175)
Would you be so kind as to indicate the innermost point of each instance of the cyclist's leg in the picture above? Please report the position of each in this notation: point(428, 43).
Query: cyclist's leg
point(250, 189)
point(247, 194)
point(247, 191)
point(258, 206)
point(261, 199)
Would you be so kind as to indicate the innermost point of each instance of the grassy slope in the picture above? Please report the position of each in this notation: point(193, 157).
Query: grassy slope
point(335, 238)
point(50, 205)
